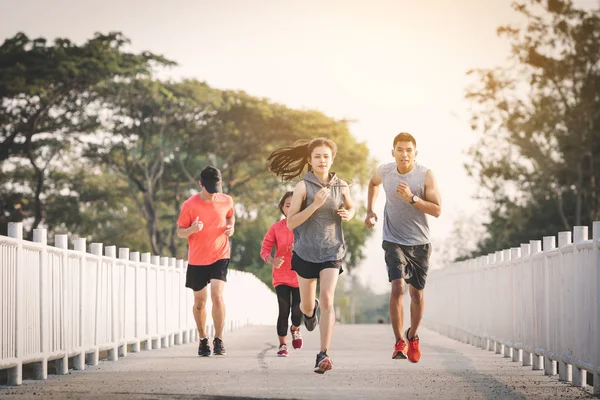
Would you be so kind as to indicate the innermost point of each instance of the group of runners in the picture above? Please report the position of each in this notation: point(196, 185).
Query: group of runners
point(309, 244)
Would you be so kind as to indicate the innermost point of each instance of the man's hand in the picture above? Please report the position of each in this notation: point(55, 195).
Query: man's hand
point(370, 219)
point(196, 226)
point(276, 262)
point(404, 191)
point(229, 230)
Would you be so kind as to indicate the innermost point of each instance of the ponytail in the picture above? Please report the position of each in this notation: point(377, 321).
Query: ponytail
point(289, 162)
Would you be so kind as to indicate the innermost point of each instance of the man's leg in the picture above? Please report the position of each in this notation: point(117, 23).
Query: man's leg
point(199, 310)
point(329, 278)
point(218, 306)
point(417, 307)
point(397, 307)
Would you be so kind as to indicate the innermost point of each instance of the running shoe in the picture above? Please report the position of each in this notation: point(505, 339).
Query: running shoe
point(204, 348)
point(296, 338)
point(311, 322)
point(399, 350)
point(218, 348)
point(414, 351)
point(323, 363)
point(283, 351)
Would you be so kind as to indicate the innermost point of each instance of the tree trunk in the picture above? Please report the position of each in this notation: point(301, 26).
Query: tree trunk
point(579, 194)
point(151, 224)
point(39, 206)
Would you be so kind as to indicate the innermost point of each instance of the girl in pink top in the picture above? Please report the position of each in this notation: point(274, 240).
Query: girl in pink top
point(285, 280)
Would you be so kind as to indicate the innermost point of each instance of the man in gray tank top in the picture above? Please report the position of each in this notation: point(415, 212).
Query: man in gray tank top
point(411, 192)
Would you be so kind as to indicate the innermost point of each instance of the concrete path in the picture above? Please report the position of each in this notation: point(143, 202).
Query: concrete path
point(363, 369)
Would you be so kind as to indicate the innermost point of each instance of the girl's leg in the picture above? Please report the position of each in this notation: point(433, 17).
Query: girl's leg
point(296, 313)
point(329, 278)
point(283, 298)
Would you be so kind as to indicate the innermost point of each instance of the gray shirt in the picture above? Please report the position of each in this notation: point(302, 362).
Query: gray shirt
point(320, 238)
point(403, 223)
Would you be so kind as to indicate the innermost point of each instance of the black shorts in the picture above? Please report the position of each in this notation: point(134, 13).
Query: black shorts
point(198, 276)
point(309, 270)
point(410, 263)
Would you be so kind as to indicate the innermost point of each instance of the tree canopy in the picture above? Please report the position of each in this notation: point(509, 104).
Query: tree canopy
point(538, 158)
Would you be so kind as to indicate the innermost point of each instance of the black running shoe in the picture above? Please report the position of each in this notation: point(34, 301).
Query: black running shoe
point(204, 348)
point(311, 322)
point(218, 348)
point(323, 363)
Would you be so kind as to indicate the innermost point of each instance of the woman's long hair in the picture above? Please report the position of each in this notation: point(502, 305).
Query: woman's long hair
point(289, 162)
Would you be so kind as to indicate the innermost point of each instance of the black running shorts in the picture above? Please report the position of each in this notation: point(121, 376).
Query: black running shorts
point(309, 270)
point(410, 263)
point(198, 276)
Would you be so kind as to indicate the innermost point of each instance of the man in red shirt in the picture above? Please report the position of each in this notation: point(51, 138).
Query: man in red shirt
point(207, 221)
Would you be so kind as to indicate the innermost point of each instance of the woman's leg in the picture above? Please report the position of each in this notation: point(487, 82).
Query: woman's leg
point(283, 298)
point(308, 288)
point(329, 278)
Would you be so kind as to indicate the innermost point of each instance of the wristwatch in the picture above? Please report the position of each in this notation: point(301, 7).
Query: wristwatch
point(414, 199)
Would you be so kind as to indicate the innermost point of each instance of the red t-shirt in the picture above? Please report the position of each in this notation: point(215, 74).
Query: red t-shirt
point(210, 244)
point(280, 237)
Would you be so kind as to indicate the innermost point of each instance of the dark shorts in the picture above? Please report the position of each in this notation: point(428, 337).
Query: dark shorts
point(410, 263)
point(198, 276)
point(309, 270)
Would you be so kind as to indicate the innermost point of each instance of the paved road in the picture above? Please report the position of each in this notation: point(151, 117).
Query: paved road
point(363, 369)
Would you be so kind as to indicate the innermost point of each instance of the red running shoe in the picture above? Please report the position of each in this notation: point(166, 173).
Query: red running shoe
point(414, 351)
point(283, 351)
point(296, 338)
point(399, 350)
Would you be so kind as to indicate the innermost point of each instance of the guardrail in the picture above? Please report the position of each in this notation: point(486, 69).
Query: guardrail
point(537, 304)
point(58, 303)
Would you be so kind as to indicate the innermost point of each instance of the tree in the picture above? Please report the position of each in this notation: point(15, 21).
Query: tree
point(47, 97)
point(538, 158)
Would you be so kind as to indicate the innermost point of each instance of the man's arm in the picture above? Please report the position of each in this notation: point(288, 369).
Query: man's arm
point(230, 225)
point(432, 204)
point(196, 226)
point(372, 194)
point(230, 221)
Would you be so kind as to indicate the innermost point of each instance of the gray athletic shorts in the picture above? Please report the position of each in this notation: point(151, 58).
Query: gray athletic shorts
point(410, 263)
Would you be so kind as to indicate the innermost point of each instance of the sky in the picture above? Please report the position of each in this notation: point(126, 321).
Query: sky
point(388, 66)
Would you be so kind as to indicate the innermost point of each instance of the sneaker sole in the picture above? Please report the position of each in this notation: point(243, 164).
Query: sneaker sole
point(324, 366)
point(282, 355)
point(204, 355)
point(399, 356)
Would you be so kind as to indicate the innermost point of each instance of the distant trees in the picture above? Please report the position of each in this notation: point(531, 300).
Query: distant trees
point(93, 145)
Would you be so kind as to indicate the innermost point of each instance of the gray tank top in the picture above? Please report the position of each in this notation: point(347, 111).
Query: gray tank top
point(320, 238)
point(403, 223)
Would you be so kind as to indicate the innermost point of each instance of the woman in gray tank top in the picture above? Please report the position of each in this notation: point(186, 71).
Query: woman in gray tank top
point(321, 201)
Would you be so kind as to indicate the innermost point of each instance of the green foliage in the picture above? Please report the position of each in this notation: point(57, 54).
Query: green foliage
point(94, 146)
point(537, 161)
point(48, 99)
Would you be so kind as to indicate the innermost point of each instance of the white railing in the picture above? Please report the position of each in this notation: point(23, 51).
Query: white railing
point(538, 307)
point(57, 303)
